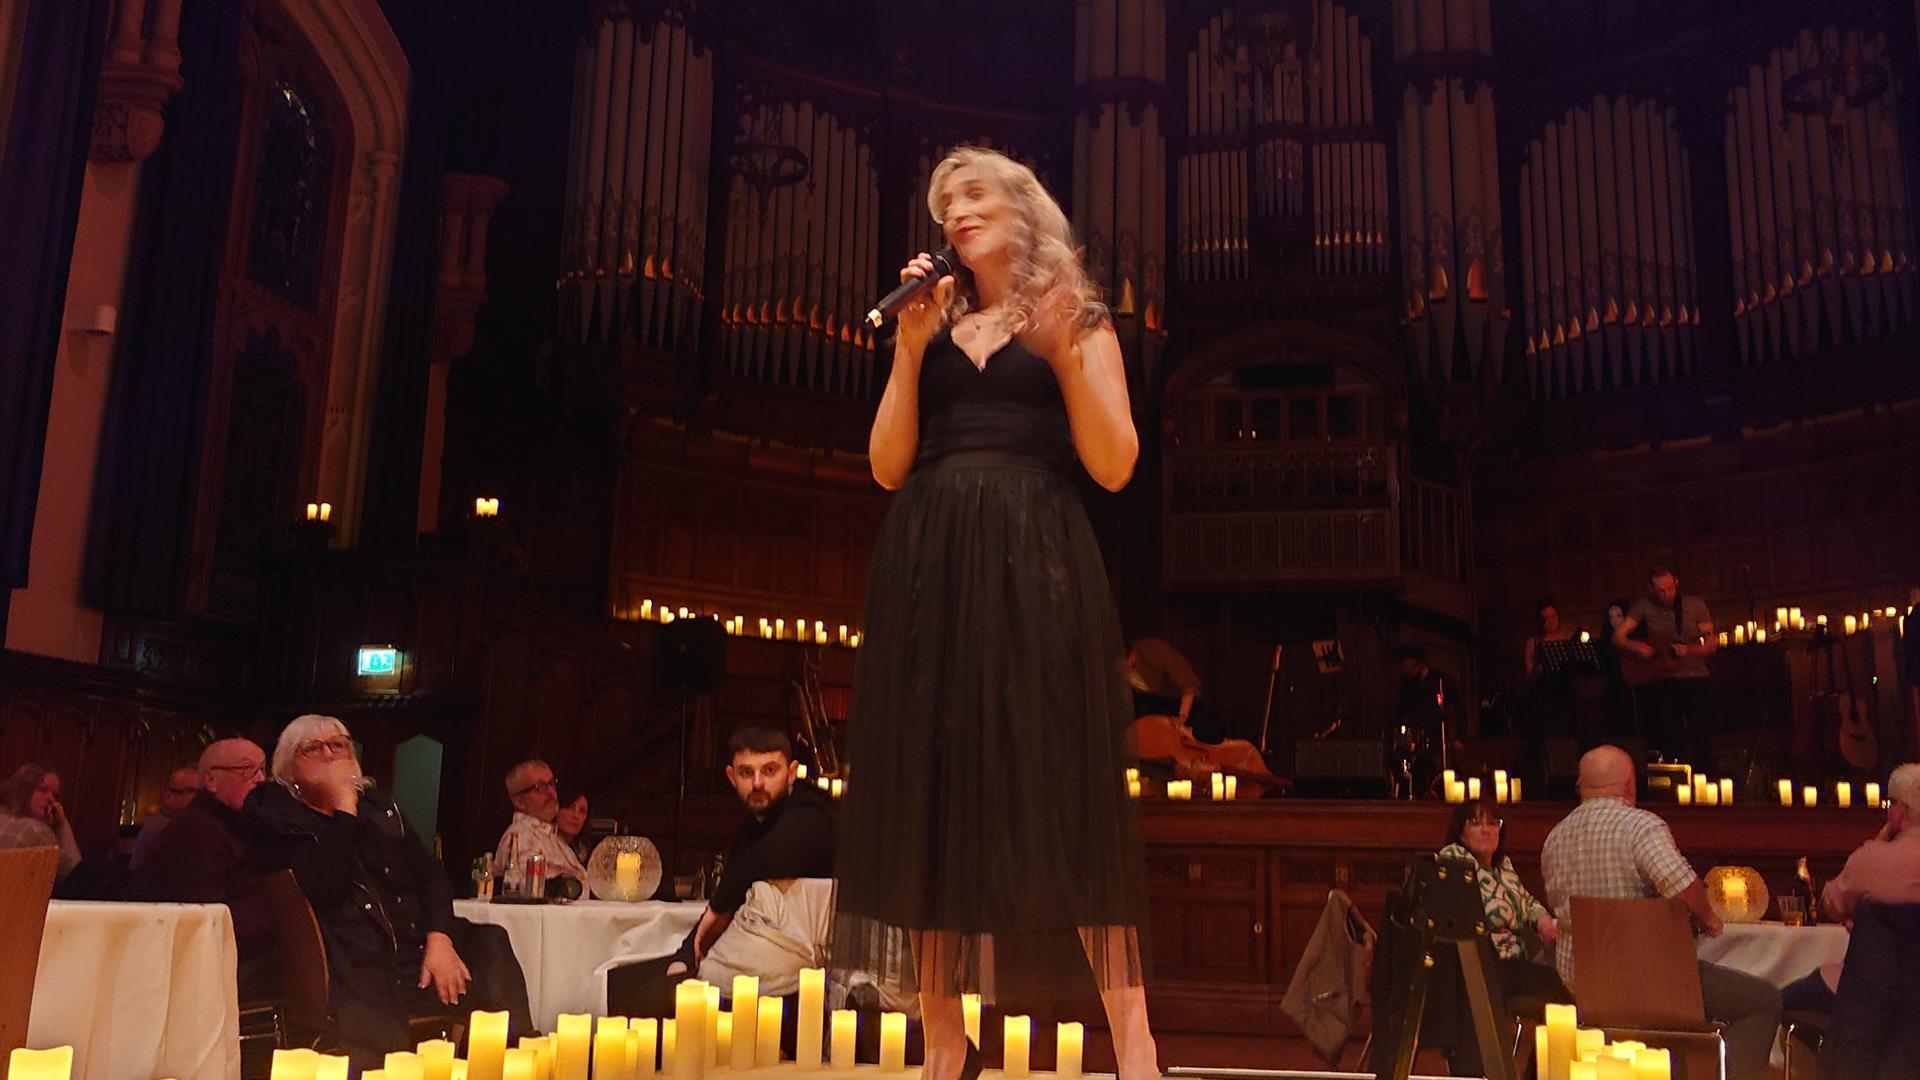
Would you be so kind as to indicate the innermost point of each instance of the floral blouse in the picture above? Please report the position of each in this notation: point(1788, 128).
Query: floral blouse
point(1511, 909)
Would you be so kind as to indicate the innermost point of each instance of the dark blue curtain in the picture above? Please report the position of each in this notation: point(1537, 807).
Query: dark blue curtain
point(145, 490)
point(40, 184)
point(427, 30)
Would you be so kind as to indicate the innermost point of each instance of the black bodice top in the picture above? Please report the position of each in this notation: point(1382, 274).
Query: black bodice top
point(1013, 406)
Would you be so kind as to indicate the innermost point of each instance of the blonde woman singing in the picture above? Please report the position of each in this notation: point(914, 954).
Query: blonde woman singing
point(986, 820)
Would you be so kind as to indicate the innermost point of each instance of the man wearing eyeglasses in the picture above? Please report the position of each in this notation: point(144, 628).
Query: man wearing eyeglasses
point(182, 785)
point(536, 802)
point(201, 857)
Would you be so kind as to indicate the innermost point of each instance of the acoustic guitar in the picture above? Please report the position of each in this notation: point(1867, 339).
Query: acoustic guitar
point(1638, 671)
point(1846, 728)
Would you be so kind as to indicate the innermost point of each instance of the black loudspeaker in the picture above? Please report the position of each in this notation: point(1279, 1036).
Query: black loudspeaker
point(689, 656)
point(1340, 769)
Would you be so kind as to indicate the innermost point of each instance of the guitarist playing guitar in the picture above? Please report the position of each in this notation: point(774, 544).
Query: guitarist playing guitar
point(1667, 663)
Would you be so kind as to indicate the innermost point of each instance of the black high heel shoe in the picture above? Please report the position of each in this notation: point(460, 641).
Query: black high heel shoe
point(972, 1067)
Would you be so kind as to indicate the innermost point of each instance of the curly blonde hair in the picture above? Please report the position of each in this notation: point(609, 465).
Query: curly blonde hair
point(1041, 252)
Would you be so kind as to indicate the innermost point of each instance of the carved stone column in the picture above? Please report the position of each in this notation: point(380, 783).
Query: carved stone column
point(140, 72)
point(466, 208)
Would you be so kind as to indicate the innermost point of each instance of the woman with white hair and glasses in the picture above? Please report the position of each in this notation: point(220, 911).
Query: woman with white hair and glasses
point(986, 814)
point(394, 947)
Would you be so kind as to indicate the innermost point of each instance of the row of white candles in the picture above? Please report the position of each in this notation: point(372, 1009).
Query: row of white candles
point(701, 1036)
point(1220, 788)
point(1566, 1051)
point(1842, 794)
point(802, 630)
point(1790, 620)
point(1456, 790)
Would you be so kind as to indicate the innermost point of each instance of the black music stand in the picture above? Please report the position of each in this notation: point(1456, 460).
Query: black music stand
point(1570, 657)
point(1442, 910)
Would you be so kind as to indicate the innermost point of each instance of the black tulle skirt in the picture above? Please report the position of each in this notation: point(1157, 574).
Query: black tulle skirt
point(987, 839)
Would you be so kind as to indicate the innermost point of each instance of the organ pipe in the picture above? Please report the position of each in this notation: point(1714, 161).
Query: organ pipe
point(1821, 233)
point(1453, 276)
point(800, 257)
point(1606, 236)
point(636, 190)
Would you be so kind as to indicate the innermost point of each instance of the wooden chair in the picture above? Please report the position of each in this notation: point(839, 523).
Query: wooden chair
point(26, 884)
point(305, 1015)
point(1636, 976)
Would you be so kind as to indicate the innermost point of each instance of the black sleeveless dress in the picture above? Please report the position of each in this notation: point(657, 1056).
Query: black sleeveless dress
point(986, 795)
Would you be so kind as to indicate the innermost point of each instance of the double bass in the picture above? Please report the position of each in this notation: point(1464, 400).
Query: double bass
point(1160, 737)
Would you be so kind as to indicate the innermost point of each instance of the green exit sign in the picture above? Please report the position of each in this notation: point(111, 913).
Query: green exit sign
point(377, 660)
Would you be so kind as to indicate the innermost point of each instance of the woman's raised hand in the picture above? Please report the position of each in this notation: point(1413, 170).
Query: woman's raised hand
point(916, 323)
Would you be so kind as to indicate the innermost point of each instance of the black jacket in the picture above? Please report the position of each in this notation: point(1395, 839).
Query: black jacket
point(200, 857)
point(795, 840)
point(374, 888)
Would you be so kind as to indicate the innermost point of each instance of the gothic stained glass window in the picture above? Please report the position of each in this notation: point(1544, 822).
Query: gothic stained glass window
point(293, 179)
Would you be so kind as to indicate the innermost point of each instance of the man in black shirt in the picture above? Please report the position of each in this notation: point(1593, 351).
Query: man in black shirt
point(790, 835)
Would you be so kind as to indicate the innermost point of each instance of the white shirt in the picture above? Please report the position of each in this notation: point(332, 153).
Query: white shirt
point(539, 836)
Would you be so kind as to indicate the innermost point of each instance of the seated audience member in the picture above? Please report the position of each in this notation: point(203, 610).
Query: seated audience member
point(790, 835)
point(1611, 849)
point(536, 802)
point(31, 815)
point(201, 858)
point(183, 784)
point(1884, 870)
point(385, 907)
point(1475, 835)
point(571, 823)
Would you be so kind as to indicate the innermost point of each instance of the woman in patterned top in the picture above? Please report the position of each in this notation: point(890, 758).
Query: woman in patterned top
point(1474, 835)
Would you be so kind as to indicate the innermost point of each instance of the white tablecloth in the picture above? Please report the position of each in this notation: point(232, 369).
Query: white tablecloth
point(560, 945)
point(140, 991)
point(1773, 951)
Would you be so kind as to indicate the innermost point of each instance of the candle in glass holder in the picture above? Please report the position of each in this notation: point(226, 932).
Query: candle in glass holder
point(1018, 1035)
point(844, 1029)
point(766, 1028)
point(810, 1018)
point(1726, 791)
point(893, 1042)
point(1873, 795)
point(1733, 892)
point(486, 1043)
point(1786, 792)
point(1070, 1047)
point(626, 875)
point(970, 1016)
point(1810, 795)
point(1843, 795)
point(573, 1046)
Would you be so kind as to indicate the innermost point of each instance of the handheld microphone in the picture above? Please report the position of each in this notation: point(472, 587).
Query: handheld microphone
point(944, 262)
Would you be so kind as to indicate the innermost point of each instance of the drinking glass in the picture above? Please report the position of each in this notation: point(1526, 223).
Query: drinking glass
point(1793, 910)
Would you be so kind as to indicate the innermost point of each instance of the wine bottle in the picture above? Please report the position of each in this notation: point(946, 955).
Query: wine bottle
point(1803, 888)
